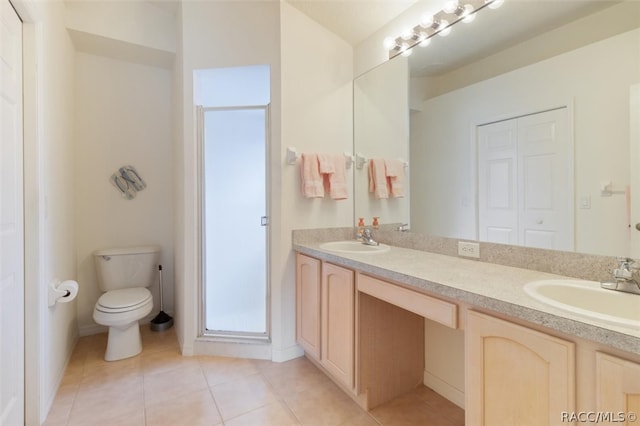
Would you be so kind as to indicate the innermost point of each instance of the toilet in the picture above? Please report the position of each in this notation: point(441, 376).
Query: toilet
point(124, 275)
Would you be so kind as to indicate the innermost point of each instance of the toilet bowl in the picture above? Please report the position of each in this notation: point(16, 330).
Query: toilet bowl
point(124, 275)
point(120, 310)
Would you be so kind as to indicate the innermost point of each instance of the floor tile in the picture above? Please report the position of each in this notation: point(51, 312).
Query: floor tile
point(325, 405)
point(161, 361)
point(218, 369)
point(193, 409)
point(161, 387)
point(274, 414)
point(173, 384)
point(242, 395)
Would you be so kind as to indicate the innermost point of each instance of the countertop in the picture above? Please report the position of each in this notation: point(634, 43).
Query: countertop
point(484, 285)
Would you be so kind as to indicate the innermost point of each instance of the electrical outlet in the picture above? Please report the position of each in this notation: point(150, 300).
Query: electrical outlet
point(467, 249)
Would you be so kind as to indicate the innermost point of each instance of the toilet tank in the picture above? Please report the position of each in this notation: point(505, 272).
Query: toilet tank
point(129, 267)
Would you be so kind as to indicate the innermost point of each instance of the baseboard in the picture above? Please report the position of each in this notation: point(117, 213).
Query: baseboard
point(89, 330)
point(257, 350)
point(443, 388)
point(286, 354)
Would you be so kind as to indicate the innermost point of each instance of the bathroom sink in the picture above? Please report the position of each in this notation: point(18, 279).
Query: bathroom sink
point(586, 298)
point(353, 247)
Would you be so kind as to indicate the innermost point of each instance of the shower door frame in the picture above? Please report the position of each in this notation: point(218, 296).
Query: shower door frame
point(231, 336)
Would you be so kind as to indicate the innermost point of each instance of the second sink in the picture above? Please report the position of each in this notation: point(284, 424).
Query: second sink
point(586, 298)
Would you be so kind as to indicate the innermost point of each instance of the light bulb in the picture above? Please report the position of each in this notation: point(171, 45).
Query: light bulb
point(467, 14)
point(389, 43)
point(407, 34)
point(495, 4)
point(425, 42)
point(450, 6)
point(426, 21)
point(444, 28)
point(469, 18)
point(404, 49)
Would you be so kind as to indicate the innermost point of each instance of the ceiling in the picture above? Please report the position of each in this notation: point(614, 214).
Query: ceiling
point(493, 30)
point(352, 20)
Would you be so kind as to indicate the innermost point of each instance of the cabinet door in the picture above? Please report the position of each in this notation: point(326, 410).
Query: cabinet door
point(338, 322)
point(515, 375)
point(308, 304)
point(618, 388)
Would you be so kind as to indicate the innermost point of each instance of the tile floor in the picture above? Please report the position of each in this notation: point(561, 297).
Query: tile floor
point(161, 387)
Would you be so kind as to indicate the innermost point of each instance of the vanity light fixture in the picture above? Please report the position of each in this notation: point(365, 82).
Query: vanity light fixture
point(440, 23)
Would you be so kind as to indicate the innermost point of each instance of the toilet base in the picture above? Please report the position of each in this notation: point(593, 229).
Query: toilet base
point(123, 342)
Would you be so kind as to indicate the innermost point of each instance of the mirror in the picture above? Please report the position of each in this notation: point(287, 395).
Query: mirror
point(471, 110)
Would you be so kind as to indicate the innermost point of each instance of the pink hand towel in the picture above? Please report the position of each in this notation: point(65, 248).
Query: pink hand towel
point(378, 178)
point(337, 180)
point(326, 163)
point(395, 175)
point(310, 177)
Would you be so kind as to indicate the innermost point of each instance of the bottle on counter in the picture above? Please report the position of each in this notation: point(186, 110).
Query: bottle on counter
point(360, 231)
point(375, 224)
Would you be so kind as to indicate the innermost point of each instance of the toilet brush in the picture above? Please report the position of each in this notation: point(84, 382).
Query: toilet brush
point(162, 321)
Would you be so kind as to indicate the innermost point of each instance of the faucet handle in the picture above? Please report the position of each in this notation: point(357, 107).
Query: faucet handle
point(628, 264)
point(626, 268)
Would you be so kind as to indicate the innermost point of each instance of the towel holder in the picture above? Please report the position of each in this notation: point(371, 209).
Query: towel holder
point(361, 161)
point(293, 155)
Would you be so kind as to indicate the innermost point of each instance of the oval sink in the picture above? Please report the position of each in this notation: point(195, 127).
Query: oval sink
point(353, 247)
point(586, 298)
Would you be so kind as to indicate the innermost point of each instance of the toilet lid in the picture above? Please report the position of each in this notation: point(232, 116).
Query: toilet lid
point(124, 298)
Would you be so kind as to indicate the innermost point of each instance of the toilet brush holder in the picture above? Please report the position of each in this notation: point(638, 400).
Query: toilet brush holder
point(162, 321)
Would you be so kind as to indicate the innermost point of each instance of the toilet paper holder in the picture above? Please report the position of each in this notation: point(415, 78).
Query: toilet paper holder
point(62, 292)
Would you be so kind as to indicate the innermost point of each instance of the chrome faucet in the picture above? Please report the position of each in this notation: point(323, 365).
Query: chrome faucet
point(367, 238)
point(403, 228)
point(623, 275)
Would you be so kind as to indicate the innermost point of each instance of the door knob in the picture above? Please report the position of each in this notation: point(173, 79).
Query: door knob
point(638, 226)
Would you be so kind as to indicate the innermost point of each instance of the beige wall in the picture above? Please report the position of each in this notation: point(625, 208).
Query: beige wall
point(316, 117)
point(122, 117)
point(310, 109)
point(206, 28)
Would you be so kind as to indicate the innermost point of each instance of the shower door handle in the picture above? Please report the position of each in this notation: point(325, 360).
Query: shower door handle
point(264, 221)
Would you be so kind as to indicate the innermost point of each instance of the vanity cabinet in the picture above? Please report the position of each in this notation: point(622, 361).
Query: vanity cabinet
point(516, 375)
point(617, 387)
point(325, 316)
point(338, 323)
point(308, 304)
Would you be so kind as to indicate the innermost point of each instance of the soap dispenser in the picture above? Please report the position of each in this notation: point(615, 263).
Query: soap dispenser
point(360, 231)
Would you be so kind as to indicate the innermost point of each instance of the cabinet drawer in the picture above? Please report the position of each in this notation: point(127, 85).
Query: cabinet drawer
point(429, 307)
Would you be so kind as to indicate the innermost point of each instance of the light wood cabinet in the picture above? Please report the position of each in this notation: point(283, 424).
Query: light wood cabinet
point(308, 284)
point(515, 375)
point(617, 388)
point(338, 323)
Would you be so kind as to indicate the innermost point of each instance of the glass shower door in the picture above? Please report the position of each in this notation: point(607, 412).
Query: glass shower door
point(234, 220)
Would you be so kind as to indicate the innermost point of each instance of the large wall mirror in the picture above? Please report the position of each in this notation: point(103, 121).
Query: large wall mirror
point(522, 127)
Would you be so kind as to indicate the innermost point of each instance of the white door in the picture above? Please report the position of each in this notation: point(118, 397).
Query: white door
point(235, 220)
point(525, 186)
point(497, 177)
point(546, 181)
point(11, 220)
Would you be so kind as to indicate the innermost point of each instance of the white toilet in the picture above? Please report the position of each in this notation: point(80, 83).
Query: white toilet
point(124, 275)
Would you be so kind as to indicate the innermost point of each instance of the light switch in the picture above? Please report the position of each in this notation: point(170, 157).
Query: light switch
point(585, 202)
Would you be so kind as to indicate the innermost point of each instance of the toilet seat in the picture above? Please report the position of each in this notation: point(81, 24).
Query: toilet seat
point(123, 300)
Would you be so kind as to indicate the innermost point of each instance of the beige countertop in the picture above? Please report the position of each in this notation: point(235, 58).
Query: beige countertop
point(484, 285)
